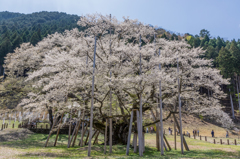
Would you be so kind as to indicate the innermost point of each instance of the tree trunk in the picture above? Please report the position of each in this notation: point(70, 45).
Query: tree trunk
point(50, 117)
point(120, 134)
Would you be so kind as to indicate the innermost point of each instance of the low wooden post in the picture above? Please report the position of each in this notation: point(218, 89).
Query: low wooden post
point(194, 136)
point(235, 141)
point(7, 125)
point(228, 141)
point(205, 138)
point(221, 141)
point(189, 135)
point(13, 125)
point(46, 126)
point(214, 141)
point(2, 126)
point(200, 137)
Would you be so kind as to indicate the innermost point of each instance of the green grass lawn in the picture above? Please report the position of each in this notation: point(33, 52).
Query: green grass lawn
point(33, 147)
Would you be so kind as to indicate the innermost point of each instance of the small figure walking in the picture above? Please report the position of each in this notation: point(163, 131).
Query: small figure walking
point(169, 130)
point(212, 133)
point(151, 129)
point(227, 134)
point(198, 132)
point(147, 129)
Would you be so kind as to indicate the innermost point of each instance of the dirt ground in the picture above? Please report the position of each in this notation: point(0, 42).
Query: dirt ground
point(14, 134)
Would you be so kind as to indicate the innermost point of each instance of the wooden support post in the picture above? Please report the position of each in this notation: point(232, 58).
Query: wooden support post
point(200, 137)
point(58, 131)
point(79, 124)
point(157, 133)
point(143, 134)
point(135, 142)
point(169, 147)
point(184, 141)
point(92, 101)
point(221, 141)
point(73, 134)
point(50, 132)
point(105, 137)
point(96, 138)
point(2, 126)
point(87, 138)
point(205, 138)
point(70, 129)
point(214, 141)
point(83, 133)
point(140, 145)
point(235, 141)
point(129, 133)
point(13, 125)
point(46, 126)
point(228, 141)
point(194, 136)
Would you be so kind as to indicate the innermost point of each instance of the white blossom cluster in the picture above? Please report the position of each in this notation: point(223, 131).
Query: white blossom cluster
point(60, 66)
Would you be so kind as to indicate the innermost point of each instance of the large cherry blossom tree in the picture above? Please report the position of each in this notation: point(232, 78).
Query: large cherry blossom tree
point(59, 69)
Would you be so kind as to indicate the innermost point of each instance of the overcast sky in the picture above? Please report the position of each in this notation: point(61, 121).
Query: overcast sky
point(220, 17)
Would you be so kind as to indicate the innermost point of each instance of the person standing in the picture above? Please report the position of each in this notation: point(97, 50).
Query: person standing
point(198, 132)
point(227, 134)
point(212, 133)
point(147, 129)
point(169, 130)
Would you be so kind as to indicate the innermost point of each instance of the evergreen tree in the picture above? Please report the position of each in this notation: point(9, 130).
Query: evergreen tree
point(204, 32)
point(34, 39)
point(164, 36)
point(196, 42)
point(235, 56)
point(224, 60)
point(212, 42)
point(17, 41)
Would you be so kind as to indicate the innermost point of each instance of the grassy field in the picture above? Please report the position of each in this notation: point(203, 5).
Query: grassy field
point(33, 147)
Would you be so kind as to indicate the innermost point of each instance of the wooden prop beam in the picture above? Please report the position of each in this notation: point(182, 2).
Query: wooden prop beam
point(70, 129)
point(87, 138)
point(140, 146)
point(92, 137)
point(105, 137)
point(135, 142)
point(79, 124)
point(96, 138)
point(50, 133)
point(169, 147)
point(82, 135)
point(91, 111)
point(129, 134)
point(184, 141)
point(73, 134)
point(58, 131)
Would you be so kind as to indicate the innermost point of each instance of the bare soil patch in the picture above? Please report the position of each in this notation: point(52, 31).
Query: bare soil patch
point(14, 134)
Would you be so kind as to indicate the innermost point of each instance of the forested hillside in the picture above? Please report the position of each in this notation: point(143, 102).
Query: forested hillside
point(16, 28)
